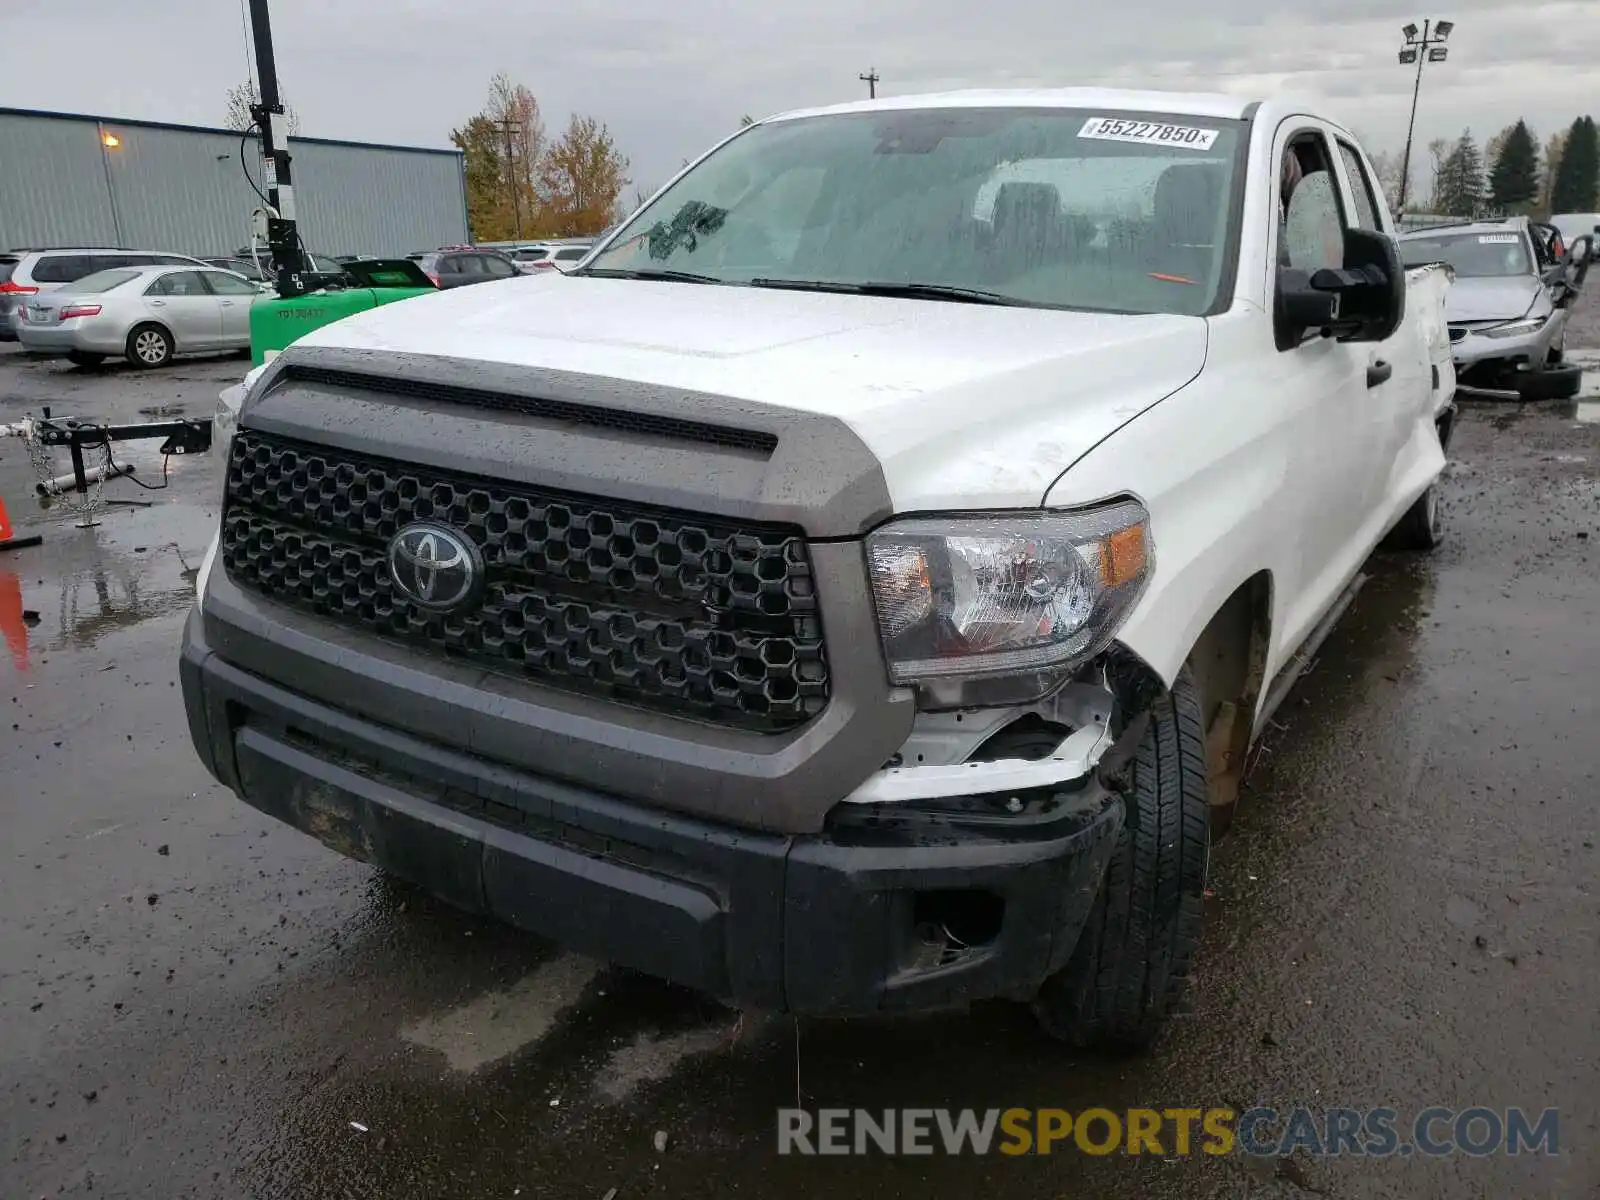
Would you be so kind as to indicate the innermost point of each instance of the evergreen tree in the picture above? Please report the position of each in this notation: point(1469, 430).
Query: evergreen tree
point(1577, 177)
point(1514, 178)
point(1459, 190)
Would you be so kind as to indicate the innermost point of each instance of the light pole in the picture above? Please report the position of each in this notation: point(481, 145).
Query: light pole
point(1428, 48)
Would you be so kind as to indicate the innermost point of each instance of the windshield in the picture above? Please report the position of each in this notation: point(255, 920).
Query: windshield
point(102, 281)
point(1058, 208)
point(1473, 255)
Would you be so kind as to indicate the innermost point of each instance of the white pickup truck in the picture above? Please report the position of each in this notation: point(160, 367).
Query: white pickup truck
point(857, 586)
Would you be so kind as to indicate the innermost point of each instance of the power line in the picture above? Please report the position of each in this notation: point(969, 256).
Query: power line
point(249, 67)
point(871, 80)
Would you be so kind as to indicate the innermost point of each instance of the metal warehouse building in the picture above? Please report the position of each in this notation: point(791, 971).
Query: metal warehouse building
point(72, 180)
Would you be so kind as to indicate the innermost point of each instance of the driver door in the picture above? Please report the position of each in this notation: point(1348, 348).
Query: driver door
point(1344, 419)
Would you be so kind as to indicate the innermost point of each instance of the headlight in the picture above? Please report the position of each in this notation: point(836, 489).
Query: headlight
point(996, 609)
point(1516, 328)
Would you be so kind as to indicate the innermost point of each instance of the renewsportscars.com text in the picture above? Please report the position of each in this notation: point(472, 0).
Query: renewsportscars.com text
point(1320, 1132)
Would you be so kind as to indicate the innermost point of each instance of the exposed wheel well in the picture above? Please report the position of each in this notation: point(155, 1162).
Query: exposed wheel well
point(1229, 665)
point(153, 324)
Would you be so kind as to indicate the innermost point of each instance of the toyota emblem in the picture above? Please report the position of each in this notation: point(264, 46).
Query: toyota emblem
point(435, 567)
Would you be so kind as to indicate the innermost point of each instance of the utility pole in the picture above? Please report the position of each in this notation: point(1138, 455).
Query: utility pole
point(1428, 48)
point(283, 239)
point(509, 127)
point(871, 80)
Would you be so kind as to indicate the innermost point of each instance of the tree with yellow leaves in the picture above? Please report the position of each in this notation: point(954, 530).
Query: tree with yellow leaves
point(580, 178)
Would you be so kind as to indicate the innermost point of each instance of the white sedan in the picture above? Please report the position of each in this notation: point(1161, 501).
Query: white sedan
point(146, 314)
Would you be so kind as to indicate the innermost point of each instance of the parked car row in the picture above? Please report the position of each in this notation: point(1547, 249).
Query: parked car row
point(26, 273)
point(559, 256)
point(146, 314)
point(459, 265)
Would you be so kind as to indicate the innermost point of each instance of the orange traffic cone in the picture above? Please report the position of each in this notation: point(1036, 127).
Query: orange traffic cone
point(13, 628)
point(7, 542)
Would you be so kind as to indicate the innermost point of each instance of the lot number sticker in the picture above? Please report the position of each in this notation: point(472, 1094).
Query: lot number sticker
point(1150, 133)
point(1497, 239)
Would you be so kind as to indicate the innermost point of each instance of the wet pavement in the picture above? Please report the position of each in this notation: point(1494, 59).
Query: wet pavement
point(197, 1002)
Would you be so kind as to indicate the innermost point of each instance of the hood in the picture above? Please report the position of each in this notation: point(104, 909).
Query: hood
point(1501, 298)
point(963, 404)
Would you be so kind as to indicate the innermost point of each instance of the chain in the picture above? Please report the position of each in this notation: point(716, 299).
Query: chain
point(83, 506)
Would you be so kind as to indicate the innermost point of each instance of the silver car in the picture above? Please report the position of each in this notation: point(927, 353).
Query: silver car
point(145, 314)
point(1508, 308)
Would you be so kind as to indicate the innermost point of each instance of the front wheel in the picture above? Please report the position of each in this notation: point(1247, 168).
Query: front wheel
point(1555, 381)
point(1421, 528)
point(1133, 957)
point(149, 346)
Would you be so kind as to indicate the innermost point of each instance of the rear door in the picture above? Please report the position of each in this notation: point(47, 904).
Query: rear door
point(234, 298)
point(496, 267)
point(1405, 394)
point(453, 270)
point(181, 301)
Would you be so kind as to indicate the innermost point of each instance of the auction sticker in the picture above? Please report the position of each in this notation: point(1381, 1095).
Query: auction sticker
point(1149, 133)
point(1498, 239)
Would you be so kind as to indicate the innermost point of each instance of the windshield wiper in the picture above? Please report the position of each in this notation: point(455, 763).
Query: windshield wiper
point(915, 291)
point(668, 276)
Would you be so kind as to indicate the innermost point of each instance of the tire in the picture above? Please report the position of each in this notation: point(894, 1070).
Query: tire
point(85, 358)
point(149, 346)
point(1558, 381)
point(1421, 527)
point(1133, 957)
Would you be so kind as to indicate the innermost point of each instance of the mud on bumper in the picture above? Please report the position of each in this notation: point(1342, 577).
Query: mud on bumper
point(833, 923)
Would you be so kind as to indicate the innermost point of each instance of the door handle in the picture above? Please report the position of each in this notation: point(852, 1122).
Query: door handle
point(227, 304)
point(157, 303)
point(1379, 372)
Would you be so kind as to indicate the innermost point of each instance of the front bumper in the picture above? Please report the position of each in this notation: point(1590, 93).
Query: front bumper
point(830, 923)
point(1481, 359)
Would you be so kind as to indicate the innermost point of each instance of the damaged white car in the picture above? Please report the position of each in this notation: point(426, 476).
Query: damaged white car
point(857, 587)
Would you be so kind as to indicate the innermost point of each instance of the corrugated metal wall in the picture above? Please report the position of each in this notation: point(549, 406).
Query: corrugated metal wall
point(337, 190)
point(63, 202)
point(181, 189)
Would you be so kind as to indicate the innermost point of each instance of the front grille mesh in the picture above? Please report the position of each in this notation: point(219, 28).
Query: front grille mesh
point(696, 616)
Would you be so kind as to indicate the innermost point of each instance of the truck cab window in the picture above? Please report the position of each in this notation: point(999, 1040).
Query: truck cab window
point(1311, 232)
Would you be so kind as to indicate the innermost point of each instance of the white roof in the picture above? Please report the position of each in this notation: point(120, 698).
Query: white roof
point(1200, 104)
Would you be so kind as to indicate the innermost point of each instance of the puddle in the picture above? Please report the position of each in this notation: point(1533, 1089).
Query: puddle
point(1587, 412)
point(46, 609)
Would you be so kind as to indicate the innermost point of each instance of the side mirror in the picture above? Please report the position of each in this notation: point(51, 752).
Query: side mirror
point(1376, 302)
point(1363, 301)
point(1302, 306)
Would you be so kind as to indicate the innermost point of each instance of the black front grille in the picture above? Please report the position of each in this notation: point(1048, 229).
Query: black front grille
point(696, 616)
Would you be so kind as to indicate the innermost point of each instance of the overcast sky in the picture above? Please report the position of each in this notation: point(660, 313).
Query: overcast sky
point(669, 78)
